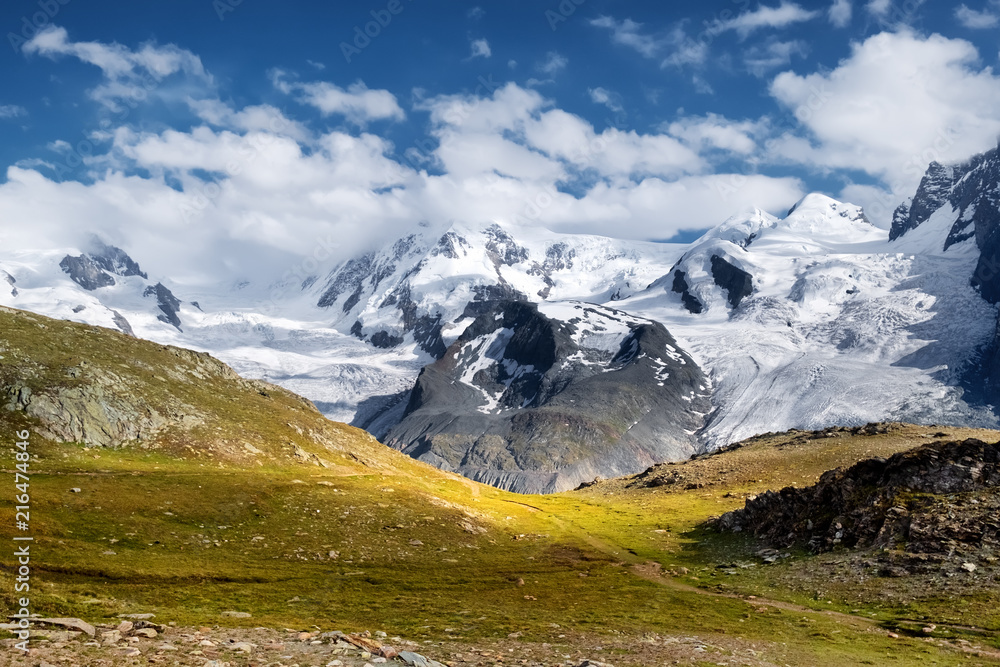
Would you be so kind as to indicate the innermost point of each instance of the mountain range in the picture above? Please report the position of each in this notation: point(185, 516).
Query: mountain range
point(535, 361)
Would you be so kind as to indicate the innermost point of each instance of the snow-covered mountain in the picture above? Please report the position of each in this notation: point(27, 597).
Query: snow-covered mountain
point(817, 319)
point(806, 320)
point(424, 288)
point(539, 398)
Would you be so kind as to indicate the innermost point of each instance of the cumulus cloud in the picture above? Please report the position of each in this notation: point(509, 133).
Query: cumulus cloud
point(897, 102)
point(782, 16)
point(840, 13)
point(357, 103)
point(251, 190)
point(976, 20)
point(718, 132)
point(131, 76)
point(481, 49)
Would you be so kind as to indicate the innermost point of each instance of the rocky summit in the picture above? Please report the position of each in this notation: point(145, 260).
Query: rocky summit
point(537, 399)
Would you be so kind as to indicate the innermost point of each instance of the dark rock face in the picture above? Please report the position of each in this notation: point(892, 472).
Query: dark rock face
point(95, 269)
point(973, 191)
point(123, 323)
point(115, 260)
point(906, 501)
point(363, 275)
point(9, 279)
point(86, 273)
point(737, 282)
point(169, 305)
point(933, 192)
point(533, 404)
point(680, 286)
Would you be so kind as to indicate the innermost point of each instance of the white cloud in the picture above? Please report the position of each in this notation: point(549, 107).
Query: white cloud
point(612, 101)
point(879, 8)
point(897, 103)
point(976, 20)
point(255, 189)
point(318, 65)
point(701, 86)
point(714, 131)
point(358, 103)
point(840, 13)
point(131, 76)
point(761, 59)
point(554, 63)
point(782, 16)
point(512, 64)
point(481, 49)
point(12, 111)
point(685, 50)
point(674, 48)
point(627, 33)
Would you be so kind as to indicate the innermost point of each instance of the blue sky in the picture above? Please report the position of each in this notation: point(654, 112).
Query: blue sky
point(253, 127)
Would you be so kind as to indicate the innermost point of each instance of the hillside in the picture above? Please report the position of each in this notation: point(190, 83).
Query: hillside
point(325, 529)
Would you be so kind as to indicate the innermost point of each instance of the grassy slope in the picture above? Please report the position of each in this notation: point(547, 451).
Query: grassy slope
point(198, 526)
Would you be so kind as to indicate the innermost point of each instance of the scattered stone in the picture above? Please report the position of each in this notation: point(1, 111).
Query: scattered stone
point(69, 623)
point(75, 489)
point(413, 659)
point(236, 614)
point(132, 652)
point(148, 633)
point(416, 543)
point(380, 634)
point(125, 627)
point(244, 647)
point(594, 663)
point(388, 652)
point(137, 617)
point(969, 567)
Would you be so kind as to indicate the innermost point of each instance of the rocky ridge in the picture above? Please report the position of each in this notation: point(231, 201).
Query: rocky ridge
point(939, 502)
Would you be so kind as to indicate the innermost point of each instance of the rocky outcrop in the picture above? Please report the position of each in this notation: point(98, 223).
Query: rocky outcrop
point(737, 282)
point(97, 268)
point(689, 300)
point(941, 499)
point(537, 399)
point(168, 304)
point(86, 273)
point(99, 412)
point(10, 280)
point(115, 260)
